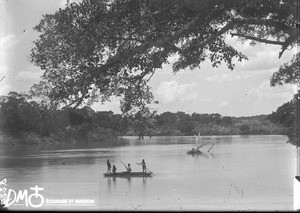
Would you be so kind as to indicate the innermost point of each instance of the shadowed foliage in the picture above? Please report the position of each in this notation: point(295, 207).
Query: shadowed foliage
point(98, 49)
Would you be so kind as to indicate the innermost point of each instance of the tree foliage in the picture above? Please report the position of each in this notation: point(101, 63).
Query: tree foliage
point(245, 129)
point(289, 73)
point(286, 115)
point(16, 113)
point(98, 49)
point(21, 117)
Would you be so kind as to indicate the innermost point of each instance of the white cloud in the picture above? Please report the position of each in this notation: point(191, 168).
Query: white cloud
point(264, 59)
point(113, 105)
point(261, 56)
point(264, 99)
point(224, 104)
point(27, 75)
point(4, 88)
point(171, 91)
point(239, 76)
point(264, 91)
point(225, 77)
point(3, 70)
point(6, 44)
point(7, 40)
point(206, 99)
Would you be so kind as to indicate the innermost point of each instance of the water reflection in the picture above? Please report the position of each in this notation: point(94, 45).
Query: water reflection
point(201, 181)
point(201, 154)
point(128, 183)
point(128, 179)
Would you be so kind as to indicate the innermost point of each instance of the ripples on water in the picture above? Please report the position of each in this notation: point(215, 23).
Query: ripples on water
point(239, 173)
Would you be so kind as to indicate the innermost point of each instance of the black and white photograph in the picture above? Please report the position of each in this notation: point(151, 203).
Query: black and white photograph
point(149, 105)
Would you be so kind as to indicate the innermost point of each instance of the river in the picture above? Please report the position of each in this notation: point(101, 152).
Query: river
point(239, 173)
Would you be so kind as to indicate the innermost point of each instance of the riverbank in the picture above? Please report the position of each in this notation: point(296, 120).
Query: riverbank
point(64, 138)
point(70, 136)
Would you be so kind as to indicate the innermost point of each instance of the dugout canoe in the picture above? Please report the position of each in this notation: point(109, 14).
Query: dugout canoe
point(128, 174)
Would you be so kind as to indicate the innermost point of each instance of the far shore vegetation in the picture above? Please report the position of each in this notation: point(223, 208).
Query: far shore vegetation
point(27, 122)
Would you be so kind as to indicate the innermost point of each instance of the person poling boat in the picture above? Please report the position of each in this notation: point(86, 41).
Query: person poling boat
point(143, 165)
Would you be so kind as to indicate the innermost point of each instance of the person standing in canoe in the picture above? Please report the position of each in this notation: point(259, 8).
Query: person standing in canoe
point(108, 166)
point(143, 165)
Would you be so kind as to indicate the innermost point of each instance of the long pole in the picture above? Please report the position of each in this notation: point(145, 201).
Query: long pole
point(212, 146)
point(150, 170)
point(146, 168)
point(203, 145)
point(124, 164)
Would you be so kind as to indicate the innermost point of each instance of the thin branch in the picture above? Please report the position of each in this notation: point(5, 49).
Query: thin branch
point(258, 39)
point(150, 77)
point(266, 22)
point(2, 78)
point(293, 32)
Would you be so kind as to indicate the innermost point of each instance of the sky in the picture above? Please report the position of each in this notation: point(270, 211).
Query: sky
point(245, 91)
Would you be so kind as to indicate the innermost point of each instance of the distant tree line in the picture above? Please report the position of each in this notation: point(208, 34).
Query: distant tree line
point(181, 123)
point(20, 116)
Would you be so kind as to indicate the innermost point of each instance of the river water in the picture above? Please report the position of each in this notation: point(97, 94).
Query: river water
point(239, 173)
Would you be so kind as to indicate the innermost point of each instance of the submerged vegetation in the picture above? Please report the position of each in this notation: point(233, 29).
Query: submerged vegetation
point(25, 121)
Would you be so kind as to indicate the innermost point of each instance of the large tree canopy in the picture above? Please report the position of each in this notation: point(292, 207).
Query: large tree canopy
point(99, 49)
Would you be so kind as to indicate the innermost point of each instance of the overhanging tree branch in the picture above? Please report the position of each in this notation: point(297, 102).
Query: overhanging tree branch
point(265, 22)
point(161, 42)
point(122, 43)
point(258, 39)
point(291, 31)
